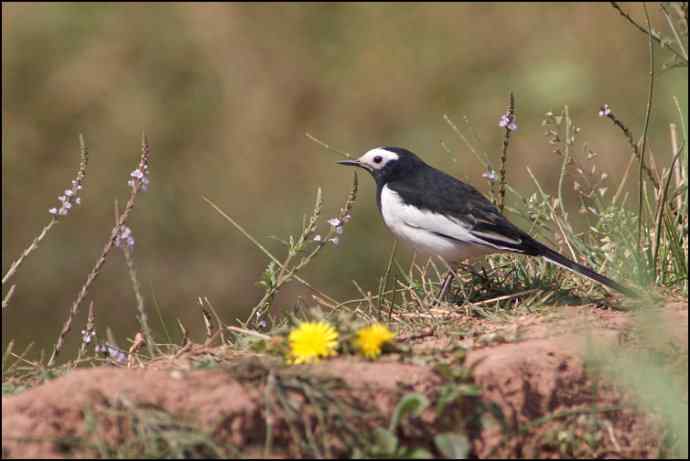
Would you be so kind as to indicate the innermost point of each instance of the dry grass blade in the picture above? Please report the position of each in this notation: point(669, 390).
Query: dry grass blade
point(32, 246)
point(678, 170)
point(185, 334)
point(383, 283)
point(248, 332)
point(483, 159)
point(661, 206)
point(208, 324)
point(217, 317)
point(326, 146)
point(8, 297)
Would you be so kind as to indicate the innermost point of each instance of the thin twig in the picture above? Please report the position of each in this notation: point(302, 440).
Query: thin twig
point(676, 35)
point(136, 186)
point(131, 268)
point(635, 148)
point(90, 327)
point(323, 144)
point(79, 179)
point(414, 336)
point(393, 291)
point(269, 394)
point(245, 331)
point(34, 244)
point(483, 160)
point(557, 220)
point(649, 32)
point(504, 154)
point(612, 435)
point(504, 297)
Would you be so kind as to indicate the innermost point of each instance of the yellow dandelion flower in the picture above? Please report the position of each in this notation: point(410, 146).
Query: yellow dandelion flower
point(369, 340)
point(312, 340)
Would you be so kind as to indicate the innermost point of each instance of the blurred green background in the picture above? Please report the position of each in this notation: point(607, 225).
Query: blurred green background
point(226, 93)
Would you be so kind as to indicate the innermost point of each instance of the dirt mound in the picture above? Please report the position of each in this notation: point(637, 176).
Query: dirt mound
point(546, 396)
point(535, 399)
point(46, 415)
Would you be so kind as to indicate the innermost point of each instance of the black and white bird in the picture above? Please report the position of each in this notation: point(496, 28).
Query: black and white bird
point(438, 215)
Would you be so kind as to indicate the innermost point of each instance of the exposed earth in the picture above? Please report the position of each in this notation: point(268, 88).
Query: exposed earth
point(533, 369)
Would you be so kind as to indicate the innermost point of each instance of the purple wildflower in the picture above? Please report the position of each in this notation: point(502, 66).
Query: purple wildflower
point(604, 111)
point(67, 200)
point(87, 336)
point(490, 175)
point(124, 237)
point(508, 122)
point(337, 224)
point(140, 176)
point(113, 352)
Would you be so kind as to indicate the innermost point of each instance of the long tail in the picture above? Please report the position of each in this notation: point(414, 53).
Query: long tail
point(566, 263)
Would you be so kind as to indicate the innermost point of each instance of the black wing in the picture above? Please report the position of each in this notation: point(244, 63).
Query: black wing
point(445, 195)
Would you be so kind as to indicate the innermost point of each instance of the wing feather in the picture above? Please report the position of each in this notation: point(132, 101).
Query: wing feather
point(458, 211)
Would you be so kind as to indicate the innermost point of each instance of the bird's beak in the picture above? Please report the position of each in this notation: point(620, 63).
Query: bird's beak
point(354, 163)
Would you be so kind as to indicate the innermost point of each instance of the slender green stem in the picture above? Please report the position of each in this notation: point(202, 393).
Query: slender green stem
point(566, 160)
point(645, 127)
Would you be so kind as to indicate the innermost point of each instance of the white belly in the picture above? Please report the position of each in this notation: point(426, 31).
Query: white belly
point(420, 230)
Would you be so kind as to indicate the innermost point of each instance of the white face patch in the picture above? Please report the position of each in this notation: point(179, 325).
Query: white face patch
point(378, 158)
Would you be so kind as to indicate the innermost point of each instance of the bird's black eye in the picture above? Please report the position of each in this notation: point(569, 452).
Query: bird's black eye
point(378, 159)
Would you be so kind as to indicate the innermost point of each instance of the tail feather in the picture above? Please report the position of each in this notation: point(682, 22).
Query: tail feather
point(585, 271)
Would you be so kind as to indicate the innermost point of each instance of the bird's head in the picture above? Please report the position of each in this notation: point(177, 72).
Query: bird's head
point(386, 163)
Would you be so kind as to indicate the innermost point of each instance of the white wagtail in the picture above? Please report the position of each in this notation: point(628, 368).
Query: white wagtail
point(439, 215)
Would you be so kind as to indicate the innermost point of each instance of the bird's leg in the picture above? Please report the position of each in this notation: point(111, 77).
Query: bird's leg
point(445, 287)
